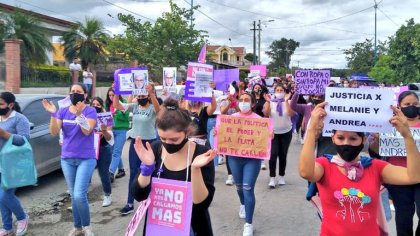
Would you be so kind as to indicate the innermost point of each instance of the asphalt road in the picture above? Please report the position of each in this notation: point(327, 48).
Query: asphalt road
point(279, 211)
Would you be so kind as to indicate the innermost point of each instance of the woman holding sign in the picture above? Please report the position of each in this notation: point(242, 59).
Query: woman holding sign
point(348, 184)
point(174, 158)
point(279, 110)
point(144, 118)
point(78, 157)
point(406, 198)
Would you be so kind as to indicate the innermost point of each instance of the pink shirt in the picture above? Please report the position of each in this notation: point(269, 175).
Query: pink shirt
point(252, 115)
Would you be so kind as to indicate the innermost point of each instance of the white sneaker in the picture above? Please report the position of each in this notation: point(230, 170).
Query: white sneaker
point(221, 160)
point(248, 230)
point(272, 183)
point(242, 213)
point(229, 180)
point(391, 206)
point(107, 201)
point(302, 141)
point(87, 231)
point(263, 167)
point(281, 180)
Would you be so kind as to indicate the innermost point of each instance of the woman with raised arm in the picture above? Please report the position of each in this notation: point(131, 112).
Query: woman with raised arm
point(349, 191)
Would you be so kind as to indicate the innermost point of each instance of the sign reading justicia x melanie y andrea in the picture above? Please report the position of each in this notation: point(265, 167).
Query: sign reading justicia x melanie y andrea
point(355, 109)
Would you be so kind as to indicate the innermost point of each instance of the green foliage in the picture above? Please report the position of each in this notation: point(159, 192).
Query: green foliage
point(170, 41)
point(45, 76)
point(382, 72)
point(87, 41)
point(404, 50)
point(23, 26)
point(250, 57)
point(343, 73)
point(280, 52)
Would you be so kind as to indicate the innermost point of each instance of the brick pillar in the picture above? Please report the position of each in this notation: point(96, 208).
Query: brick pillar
point(12, 61)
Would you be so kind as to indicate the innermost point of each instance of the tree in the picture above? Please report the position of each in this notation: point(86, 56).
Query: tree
point(404, 50)
point(87, 41)
point(170, 41)
point(382, 72)
point(35, 43)
point(360, 57)
point(250, 57)
point(281, 51)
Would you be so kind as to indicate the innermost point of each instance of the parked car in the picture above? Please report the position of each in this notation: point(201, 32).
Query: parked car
point(45, 147)
point(363, 79)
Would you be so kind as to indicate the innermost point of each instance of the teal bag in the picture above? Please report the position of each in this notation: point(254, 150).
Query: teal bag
point(17, 165)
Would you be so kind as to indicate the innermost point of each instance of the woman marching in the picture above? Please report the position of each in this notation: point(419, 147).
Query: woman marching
point(279, 110)
point(13, 125)
point(77, 153)
point(349, 191)
point(174, 157)
point(144, 117)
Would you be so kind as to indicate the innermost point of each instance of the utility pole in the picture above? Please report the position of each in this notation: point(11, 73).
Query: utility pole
point(191, 19)
point(254, 59)
point(375, 55)
point(259, 42)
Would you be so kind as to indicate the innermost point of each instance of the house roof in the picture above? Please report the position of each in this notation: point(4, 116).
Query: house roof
point(238, 50)
point(45, 18)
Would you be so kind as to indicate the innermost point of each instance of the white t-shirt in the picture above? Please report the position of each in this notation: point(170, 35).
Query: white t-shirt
point(74, 66)
point(281, 124)
point(87, 77)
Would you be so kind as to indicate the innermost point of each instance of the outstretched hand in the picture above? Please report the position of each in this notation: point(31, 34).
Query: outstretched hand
point(145, 153)
point(399, 121)
point(49, 106)
point(204, 159)
point(317, 117)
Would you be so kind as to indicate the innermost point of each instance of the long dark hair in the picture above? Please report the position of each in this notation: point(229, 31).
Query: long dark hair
point(108, 102)
point(100, 100)
point(9, 97)
point(406, 94)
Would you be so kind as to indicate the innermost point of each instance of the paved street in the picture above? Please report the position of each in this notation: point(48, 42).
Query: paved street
point(282, 211)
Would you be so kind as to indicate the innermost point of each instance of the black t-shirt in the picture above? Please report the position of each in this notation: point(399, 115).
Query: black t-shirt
point(200, 122)
point(200, 219)
point(259, 107)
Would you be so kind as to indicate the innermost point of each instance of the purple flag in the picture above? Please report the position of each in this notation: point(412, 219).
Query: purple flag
point(222, 78)
point(202, 55)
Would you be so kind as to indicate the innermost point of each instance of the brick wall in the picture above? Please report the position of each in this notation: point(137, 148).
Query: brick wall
point(12, 61)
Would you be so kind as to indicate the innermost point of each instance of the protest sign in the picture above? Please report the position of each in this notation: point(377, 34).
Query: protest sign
point(65, 102)
point(261, 68)
point(170, 209)
point(311, 81)
point(131, 81)
point(392, 144)
point(244, 137)
point(104, 118)
point(360, 110)
point(222, 78)
point(395, 90)
point(96, 143)
point(138, 216)
point(169, 79)
point(200, 74)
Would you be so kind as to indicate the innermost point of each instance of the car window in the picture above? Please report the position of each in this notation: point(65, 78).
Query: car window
point(36, 113)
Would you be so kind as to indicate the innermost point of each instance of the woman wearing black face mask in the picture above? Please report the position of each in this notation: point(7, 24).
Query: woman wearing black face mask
point(143, 125)
point(176, 158)
point(406, 199)
point(105, 152)
point(349, 184)
point(259, 92)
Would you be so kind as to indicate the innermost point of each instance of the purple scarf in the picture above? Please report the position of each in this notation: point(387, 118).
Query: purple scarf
point(279, 107)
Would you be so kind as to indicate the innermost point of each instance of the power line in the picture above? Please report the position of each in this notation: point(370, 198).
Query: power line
point(29, 4)
point(388, 17)
point(145, 17)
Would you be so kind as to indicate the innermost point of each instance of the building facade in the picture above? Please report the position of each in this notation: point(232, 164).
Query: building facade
point(233, 56)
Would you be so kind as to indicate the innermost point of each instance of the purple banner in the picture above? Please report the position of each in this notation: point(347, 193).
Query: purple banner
point(123, 80)
point(189, 91)
point(261, 68)
point(312, 81)
point(223, 78)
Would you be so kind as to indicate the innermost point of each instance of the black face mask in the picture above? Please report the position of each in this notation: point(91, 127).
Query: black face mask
point(98, 109)
point(142, 101)
point(76, 97)
point(3, 111)
point(316, 101)
point(172, 148)
point(348, 152)
point(410, 111)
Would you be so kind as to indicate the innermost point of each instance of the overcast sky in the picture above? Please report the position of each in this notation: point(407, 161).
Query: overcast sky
point(323, 27)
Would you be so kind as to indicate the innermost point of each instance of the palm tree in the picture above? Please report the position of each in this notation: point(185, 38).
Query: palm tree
point(27, 28)
point(87, 41)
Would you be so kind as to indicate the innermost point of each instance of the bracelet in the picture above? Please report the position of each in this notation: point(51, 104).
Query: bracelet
point(54, 114)
point(147, 170)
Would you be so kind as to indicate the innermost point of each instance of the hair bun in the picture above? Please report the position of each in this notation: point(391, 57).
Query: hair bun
point(171, 104)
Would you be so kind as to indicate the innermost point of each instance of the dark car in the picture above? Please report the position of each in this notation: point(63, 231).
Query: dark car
point(45, 147)
point(363, 80)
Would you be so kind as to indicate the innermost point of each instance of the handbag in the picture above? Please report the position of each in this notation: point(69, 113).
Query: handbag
point(17, 165)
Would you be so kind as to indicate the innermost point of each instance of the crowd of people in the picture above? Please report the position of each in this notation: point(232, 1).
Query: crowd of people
point(172, 138)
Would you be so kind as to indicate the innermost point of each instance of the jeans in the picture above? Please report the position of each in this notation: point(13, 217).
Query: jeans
point(134, 162)
point(9, 204)
point(385, 205)
point(279, 148)
point(211, 123)
point(88, 88)
point(78, 173)
point(245, 173)
point(119, 141)
point(103, 162)
point(406, 199)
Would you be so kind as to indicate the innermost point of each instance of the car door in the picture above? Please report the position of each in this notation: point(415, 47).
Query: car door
point(46, 148)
